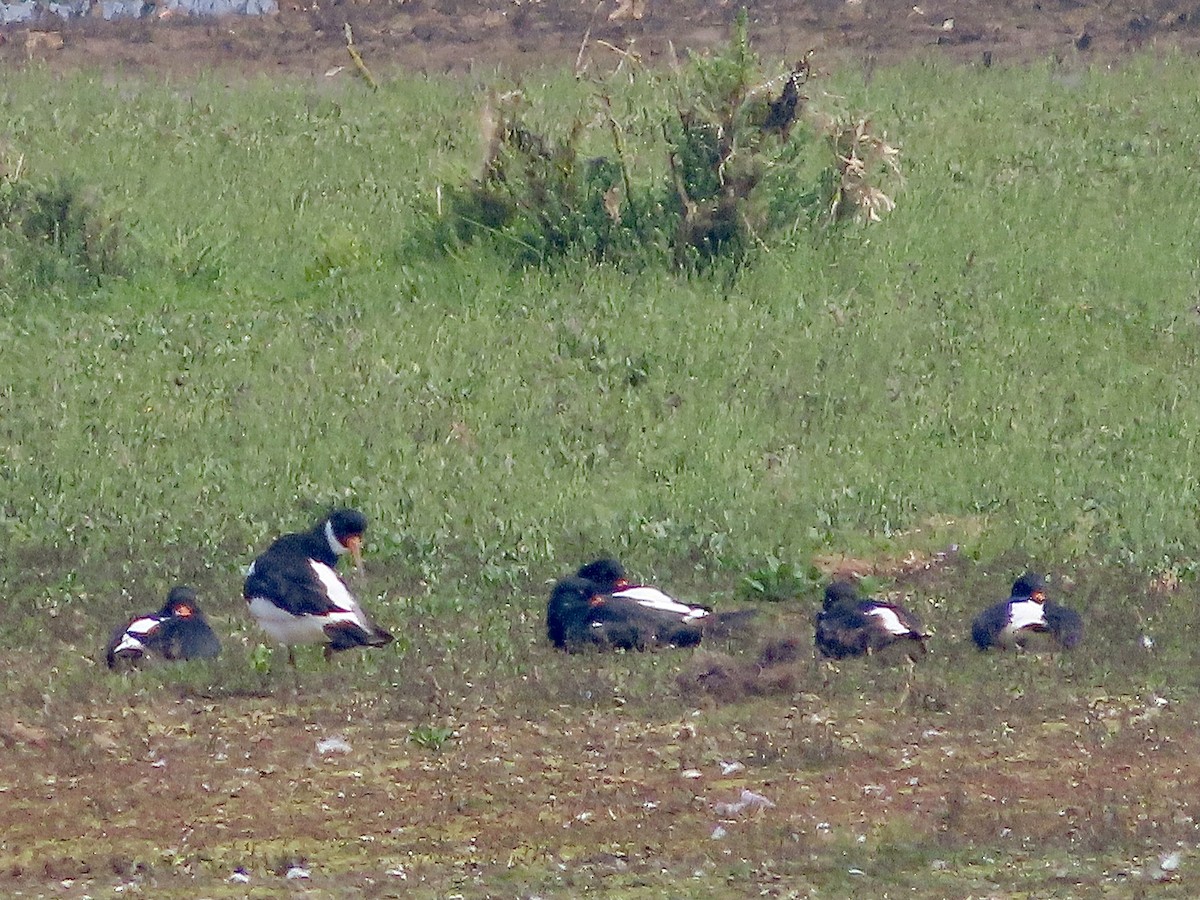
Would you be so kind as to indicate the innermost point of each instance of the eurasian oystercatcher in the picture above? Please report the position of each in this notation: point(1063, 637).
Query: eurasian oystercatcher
point(1026, 618)
point(581, 614)
point(297, 596)
point(598, 607)
point(850, 625)
point(177, 631)
point(609, 576)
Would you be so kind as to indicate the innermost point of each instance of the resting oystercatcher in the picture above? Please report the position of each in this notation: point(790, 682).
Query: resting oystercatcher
point(850, 625)
point(1026, 618)
point(177, 631)
point(581, 614)
point(609, 576)
point(597, 607)
point(297, 596)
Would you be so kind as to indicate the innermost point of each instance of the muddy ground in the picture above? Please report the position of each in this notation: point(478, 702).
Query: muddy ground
point(454, 36)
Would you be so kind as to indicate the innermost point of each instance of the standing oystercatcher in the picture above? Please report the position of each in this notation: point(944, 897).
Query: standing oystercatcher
point(297, 596)
point(177, 631)
point(849, 625)
point(1024, 616)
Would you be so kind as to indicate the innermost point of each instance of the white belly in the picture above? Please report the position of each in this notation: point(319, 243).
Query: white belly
point(284, 628)
point(1024, 614)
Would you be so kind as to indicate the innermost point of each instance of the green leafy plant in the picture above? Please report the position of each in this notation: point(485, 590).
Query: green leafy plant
point(431, 737)
point(260, 659)
point(53, 231)
point(778, 582)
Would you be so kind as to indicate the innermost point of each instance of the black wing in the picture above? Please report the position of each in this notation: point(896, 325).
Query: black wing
point(988, 624)
point(288, 580)
point(1065, 624)
point(187, 638)
point(627, 624)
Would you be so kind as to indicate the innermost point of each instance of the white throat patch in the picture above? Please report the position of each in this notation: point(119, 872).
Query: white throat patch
point(338, 548)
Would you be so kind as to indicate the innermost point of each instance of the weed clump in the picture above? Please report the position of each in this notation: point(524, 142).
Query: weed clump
point(738, 160)
point(53, 232)
point(779, 582)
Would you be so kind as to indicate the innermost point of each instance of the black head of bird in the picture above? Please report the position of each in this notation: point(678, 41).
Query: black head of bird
point(839, 593)
point(1029, 586)
point(607, 574)
point(346, 528)
point(180, 602)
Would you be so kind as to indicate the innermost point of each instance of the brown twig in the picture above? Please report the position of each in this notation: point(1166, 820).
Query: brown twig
point(618, 144)
point(358, 60)
point(587, 36)
point(627, 55)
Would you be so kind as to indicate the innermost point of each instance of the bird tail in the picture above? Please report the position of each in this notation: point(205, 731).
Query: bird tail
point(348, 635)
point(379, 636)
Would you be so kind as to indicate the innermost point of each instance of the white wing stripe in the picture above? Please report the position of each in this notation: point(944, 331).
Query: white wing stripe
point(138, 628)
point(889, 620)
point(339, 595)
point(129, 642)
point(653, 598)
point(141, 626)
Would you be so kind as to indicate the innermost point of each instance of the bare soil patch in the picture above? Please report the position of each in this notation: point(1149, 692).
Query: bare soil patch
point(459, 36)
point(170, 792)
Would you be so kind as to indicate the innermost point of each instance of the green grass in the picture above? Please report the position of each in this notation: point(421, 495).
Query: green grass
point(1014, 344)
point(1006, 363)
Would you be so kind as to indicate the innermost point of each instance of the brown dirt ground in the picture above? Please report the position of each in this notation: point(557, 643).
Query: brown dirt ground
point(456, 36)
point(174, 792)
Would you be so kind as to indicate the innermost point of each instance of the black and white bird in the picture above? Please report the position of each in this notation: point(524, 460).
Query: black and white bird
point(177, 631)
point(599, 608)
point(297, 596)
point(1027, 619)
point(850, 625)
point(609, 576)
point(581, 614)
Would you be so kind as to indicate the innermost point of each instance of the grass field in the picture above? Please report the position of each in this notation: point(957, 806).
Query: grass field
point(1000, 375)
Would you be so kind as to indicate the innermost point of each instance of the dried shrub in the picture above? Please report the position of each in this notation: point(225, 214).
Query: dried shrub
point(745, 163)
point(863, 159)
